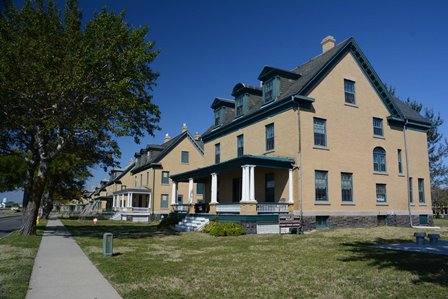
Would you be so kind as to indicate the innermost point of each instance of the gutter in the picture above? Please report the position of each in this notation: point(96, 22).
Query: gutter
point(407, 172)
point(299, 160)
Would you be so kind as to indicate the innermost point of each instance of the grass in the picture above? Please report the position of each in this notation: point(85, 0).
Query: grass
point(442, 222)
point(17, 255)
point(9, 212)
point(153, 263)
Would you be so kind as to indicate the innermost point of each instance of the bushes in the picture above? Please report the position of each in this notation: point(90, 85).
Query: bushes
point(171, 220)
point(219, 229)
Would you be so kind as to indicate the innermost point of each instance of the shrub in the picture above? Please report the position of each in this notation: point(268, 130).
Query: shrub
point(218, 229)
point(171, 220)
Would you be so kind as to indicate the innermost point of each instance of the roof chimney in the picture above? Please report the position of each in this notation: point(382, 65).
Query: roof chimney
point(327, 43)
point(197, 136)
point(184, 128)
point(167, 138)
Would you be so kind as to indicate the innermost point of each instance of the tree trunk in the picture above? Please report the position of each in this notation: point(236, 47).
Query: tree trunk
point(47, 204)
point(31, 209)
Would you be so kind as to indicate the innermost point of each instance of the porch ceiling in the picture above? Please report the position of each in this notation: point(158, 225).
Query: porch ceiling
point(133, 190)
point(233, 164)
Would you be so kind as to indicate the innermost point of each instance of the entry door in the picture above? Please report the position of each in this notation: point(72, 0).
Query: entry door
point(270, 187)
point(237, 184)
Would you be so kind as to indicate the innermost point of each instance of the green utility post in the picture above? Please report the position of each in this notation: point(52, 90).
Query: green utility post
point(108, 244)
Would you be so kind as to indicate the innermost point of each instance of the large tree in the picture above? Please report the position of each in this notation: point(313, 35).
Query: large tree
point(64, 83)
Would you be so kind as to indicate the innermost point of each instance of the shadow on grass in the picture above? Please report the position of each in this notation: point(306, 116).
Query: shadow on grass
point(430, 268)
point(118, 231)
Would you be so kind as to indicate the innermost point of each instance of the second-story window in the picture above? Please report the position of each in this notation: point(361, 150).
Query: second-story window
point(268, 90)
point(400, 163)
point(379, 159)
point(239, 105)
point(411, 194)
point(349, 91)
point(421, 191)
point(240, 145)
point(217, 153)
point(165, 177)
point(270, 143)
point(320, 132)
point(378, 127)
point(185, 157)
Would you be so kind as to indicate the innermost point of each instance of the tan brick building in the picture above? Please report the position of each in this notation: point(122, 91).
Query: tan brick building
point(324, 140)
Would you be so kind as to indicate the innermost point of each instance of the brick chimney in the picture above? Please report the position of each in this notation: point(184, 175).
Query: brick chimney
point(184, 127)
point(167, 138)
point(197, 136)
point(328, 43)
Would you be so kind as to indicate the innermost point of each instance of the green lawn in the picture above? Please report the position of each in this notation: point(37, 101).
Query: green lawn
point(441, 222)
point(17, 255)
point(150, 263)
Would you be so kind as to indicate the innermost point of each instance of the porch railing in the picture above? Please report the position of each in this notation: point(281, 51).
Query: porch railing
point(180, 208)
point(272, 208)
point(228, 208)
point(140, 210)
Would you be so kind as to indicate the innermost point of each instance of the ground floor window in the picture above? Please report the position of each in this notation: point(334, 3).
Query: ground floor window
point(164, 201)
point(321, 185)
point(347, 187)
point(270, 187)
point(322, 222)
point(381, 193)
point(180, 199)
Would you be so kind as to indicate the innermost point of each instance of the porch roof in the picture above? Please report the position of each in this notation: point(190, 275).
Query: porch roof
point(232, 164)
point(133, 190)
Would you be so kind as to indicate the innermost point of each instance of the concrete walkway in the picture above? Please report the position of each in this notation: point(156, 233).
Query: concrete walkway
point(62, 270)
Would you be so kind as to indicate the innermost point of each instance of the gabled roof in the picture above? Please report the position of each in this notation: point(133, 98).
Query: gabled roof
point(269, 71)
point(245, 88)
point(219, 102)
point(312, 73)
point(122, 174)
point(157, 156)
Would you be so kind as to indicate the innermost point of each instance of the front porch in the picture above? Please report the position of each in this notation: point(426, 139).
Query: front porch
point(132, 201)
point(248, 185)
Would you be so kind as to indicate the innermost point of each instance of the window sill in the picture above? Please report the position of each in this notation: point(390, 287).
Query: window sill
point(423, 204)
point(379, 137)
point(269, 152)
point(412, 204)
point(351, 105)
point(348, 204)
point(401, 175)
point(325, 148)
point(322, 203)
point(380, 173)
point(382, 204)
point(165, 184)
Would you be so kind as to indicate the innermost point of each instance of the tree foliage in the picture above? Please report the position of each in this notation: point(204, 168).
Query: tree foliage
point(64, 85)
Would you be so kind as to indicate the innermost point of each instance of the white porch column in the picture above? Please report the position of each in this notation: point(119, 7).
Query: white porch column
point(190, 190)
point(149, 200)
point(122, 201)
point(252, 183)
point(174, 193)
point(214, 198)
point(129, 200)
point(245, 188)
point(290, 185)
point(113, 201)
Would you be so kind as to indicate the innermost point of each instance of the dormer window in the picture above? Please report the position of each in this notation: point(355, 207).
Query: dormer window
point(239, 103)
point(217, 117)
point(268, 90)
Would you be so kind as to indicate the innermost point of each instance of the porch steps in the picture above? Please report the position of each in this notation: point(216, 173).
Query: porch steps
point(191, 223)
point(116, 216)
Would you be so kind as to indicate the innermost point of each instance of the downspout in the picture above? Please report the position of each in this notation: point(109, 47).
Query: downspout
point(299, 163)
point(153, 191)
point(407, 171)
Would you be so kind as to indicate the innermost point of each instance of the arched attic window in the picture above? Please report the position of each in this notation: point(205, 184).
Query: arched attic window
point(379, 159)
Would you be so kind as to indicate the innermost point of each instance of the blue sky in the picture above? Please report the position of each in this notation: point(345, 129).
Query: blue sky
point(206, 47)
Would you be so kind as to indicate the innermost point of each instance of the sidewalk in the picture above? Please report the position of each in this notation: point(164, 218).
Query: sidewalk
point(62, 270)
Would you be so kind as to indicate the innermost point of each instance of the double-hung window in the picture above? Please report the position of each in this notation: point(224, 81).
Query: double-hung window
point(421, 191)
point(347, 187)
point(240, 145)
point(164, 201)
point(217, 153)
point(378, 127)
point(268, 90)
point(165, 177)
point(200, 188)
point(381, 196)
point(411, 194)
point(217, 117)
point(270, 144)
point(239, 104)
point(320, 132)
point(379, 159)
point(321, 185)
point(185, 157)
point(400, 163)
point(349, 91)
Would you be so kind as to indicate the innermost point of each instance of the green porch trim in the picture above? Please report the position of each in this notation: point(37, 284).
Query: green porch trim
point(232, 164)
